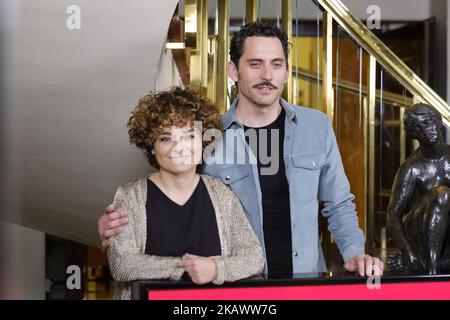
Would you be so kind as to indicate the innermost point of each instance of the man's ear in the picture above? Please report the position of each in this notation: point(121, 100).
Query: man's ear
point(233, 72)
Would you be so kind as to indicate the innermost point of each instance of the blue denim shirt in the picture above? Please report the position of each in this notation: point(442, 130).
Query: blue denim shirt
point(315, 173)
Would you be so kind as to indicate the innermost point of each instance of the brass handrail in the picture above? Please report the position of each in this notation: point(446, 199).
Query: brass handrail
point(394, 99)
point(374, 46)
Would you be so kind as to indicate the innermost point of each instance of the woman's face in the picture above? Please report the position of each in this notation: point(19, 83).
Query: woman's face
point(178, 149)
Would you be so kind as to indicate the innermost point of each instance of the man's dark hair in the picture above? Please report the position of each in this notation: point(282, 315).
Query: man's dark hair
point(256, 29)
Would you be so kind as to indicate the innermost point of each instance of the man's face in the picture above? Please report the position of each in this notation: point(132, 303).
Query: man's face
point(426, 130)
point(262, 71)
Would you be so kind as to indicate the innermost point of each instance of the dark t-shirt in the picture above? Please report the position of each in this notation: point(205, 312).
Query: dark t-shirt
point(173, 230)
point(275, 201)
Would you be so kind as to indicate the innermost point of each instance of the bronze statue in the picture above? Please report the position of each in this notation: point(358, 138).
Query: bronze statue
point(418, 211)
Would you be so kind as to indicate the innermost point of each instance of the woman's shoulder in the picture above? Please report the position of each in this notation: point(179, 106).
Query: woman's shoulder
point(135, 186)
point(132, 195)
point(213, 181)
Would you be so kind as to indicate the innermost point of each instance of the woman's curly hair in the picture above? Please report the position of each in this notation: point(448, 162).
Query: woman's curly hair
point(177, 107)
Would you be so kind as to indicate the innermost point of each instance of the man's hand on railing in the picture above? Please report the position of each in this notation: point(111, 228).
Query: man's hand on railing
point(365, 265)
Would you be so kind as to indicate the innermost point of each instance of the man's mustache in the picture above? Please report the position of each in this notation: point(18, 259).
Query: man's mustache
point(266, 83)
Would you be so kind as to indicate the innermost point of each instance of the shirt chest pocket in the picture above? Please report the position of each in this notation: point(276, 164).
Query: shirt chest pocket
point(239, 178)
point(231, 175)
point(306, 170)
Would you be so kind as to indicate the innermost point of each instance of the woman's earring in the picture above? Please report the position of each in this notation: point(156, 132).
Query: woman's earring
point(153, 152)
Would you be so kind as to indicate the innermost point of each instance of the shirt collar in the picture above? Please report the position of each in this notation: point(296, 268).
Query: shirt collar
point(230, 118)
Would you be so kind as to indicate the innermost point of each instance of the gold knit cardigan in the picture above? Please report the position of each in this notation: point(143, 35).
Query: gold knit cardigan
point(241, 253)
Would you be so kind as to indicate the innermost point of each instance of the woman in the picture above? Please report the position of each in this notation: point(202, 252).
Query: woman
point(181, 224)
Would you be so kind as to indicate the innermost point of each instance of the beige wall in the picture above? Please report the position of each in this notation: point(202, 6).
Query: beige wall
point(71, 95)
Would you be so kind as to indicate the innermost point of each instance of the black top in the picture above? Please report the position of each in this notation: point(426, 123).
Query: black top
point(275, 200)
point(173, 230)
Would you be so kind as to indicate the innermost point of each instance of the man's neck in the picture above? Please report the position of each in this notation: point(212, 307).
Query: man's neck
point(255, 116)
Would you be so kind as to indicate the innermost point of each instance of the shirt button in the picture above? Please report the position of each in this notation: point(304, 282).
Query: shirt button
point(227, 178)
point(313, 164)
point(293, 226)
point(288, 138)
point(295, 253)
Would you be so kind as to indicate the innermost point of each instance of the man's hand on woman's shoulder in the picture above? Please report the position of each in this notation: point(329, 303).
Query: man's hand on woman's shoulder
point(110, 223)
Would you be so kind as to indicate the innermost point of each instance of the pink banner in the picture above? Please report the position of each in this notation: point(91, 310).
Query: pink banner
point(387, 291)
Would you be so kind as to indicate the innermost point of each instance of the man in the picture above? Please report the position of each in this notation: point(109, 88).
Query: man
point(420, 201)
point(280, 198)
